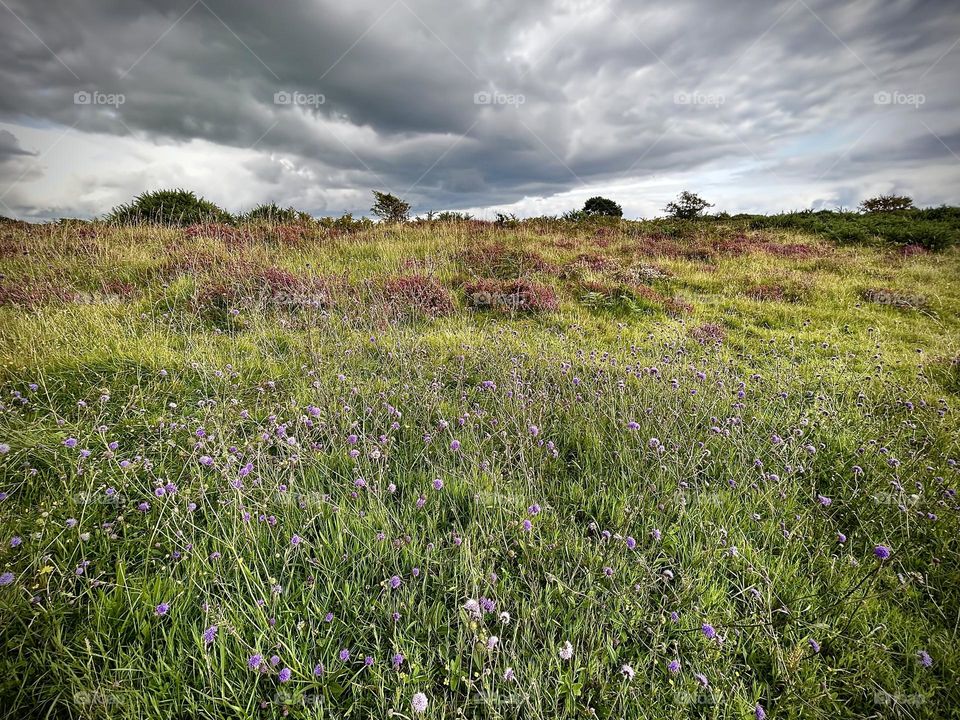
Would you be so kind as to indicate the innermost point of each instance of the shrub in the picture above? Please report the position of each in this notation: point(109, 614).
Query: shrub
point(450, 216)
point(601, 207)
point(887, 203)
point(169, 207)
point(345, 224)
point(687, 206)
point(31, 293)
point(273, 213)
point(390, 208)
point(932, 229)
point(418, 295)
point(708, 334)
point(504, 262)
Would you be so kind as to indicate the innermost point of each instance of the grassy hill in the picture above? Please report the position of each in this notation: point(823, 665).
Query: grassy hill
point(530, 469)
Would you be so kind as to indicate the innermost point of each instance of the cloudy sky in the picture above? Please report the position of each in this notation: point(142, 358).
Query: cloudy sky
point(479, 105)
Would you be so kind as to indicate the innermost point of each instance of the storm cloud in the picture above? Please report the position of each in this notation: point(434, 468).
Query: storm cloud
point(480, 105)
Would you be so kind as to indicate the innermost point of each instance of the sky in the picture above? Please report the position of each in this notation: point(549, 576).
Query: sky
point(528, 107)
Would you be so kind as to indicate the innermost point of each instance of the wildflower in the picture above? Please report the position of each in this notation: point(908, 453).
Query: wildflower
point(344, 655)
point(328, 617)
point(527, 525)
point(566, 651)
point(505, 618)
point(709, 632)
point(70, 442)
point(534, 509)
point(255, 661)
point(674, 666)
point(814, 645)
point(162, 609)
point(759, 712)
point(368, 661)
point(284, 675)
point(628, 672)
point(209, 634)
point(438, 484)
point(296, 540)
point(15, 541)
point(882, 552)
point(631, 543)
point(824, 500)
point(318, 669)
point(397, 660)
point(473, 608)
point(509, 675)
point(419, 703)
point(925, 658)
point(4, 448)
point(492, 642)
point(6, 578)
point(395, 582)
point(454, 445)
point(534, 430)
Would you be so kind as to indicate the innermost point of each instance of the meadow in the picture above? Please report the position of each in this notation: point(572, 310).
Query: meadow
point(534, 469)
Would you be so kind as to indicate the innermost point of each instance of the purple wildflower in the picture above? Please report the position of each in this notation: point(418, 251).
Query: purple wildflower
point(209, 634)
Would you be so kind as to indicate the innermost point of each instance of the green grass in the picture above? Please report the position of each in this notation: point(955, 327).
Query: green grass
point(143, 336)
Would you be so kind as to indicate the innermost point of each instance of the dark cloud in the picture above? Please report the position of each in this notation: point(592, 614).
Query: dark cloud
point(578, 95)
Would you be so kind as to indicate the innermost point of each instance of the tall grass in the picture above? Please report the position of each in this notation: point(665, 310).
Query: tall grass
point(191, 489)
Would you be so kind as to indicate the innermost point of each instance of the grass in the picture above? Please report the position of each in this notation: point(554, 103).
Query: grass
point(246, 430)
